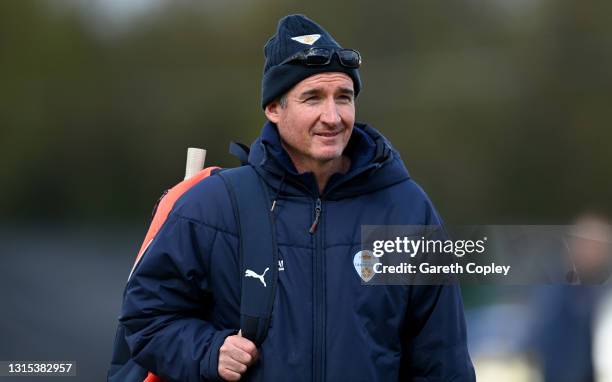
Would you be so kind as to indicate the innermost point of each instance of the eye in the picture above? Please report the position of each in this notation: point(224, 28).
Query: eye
point(345, 98)
point(311, 99)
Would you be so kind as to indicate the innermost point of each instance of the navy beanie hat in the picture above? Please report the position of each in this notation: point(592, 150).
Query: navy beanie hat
point(294, 34)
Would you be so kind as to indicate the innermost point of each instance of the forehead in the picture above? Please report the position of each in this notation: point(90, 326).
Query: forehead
point(328, 80)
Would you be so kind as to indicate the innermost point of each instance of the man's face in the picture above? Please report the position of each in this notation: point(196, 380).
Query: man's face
point(317, 121)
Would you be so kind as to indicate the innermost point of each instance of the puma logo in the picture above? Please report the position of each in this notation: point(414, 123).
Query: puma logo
point(250, 273)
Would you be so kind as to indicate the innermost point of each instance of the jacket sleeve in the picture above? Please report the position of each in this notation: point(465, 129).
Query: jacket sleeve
point(166, 302)
point(434, 339)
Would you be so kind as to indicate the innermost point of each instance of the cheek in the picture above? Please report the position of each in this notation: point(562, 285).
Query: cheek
point(347, 113)
point(302, 123)
point(348, 117)
point(297, 132)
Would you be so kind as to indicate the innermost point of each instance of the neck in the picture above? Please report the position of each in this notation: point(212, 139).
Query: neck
point(323, 170)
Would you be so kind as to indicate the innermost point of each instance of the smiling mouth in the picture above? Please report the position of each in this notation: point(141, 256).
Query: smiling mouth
point(328, 134)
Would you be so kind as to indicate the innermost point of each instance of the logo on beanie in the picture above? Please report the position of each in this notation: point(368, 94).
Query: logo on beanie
point(307, 39)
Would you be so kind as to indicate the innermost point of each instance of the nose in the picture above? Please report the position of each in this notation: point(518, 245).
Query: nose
point(329, 114)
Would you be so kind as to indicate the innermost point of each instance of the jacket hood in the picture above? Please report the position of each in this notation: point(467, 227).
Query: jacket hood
point(375, 164)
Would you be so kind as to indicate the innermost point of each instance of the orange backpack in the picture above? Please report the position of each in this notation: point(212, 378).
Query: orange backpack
point(257, 249)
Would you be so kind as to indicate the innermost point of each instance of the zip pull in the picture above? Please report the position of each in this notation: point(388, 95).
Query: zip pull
point(315, 223)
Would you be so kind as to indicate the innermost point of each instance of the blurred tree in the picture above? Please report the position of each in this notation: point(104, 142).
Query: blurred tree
point(500, 111)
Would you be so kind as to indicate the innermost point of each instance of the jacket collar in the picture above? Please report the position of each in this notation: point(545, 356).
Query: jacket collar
point(368, 150)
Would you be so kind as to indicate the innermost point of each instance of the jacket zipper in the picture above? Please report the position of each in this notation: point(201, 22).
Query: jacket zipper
point(315, 223)
point(319, 296)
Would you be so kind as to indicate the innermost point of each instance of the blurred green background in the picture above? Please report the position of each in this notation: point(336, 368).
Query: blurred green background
point(499, 108)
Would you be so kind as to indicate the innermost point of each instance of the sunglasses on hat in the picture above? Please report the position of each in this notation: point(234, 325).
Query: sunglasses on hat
point(349, 58)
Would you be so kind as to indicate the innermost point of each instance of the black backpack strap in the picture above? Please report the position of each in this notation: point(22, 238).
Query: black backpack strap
point(258, 250)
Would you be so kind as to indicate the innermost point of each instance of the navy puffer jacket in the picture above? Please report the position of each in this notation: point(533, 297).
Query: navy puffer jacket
point(183, 298)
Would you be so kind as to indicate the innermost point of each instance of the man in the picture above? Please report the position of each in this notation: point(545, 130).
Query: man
point(329, 176)
point(565, 315)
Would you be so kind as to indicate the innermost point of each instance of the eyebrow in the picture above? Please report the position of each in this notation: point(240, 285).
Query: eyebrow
point(342, 90)
point(309, 92)
point(347, 91)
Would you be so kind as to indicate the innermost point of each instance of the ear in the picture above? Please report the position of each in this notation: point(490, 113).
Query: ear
point(272, 111)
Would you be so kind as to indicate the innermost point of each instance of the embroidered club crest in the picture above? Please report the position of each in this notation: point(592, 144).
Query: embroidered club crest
point(364, 262)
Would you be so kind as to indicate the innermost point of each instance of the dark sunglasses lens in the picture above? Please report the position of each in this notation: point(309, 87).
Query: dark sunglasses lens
point(317, 56)
point(349, 58)
point(316, 60)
